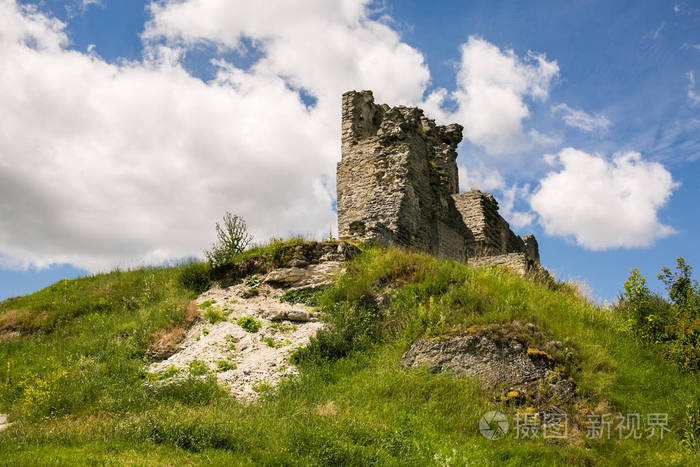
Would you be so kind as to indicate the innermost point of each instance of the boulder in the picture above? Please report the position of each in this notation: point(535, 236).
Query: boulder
point(498, 363)
point(312, 276)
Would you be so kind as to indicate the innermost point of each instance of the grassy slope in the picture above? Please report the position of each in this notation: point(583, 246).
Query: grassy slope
point(74, 380)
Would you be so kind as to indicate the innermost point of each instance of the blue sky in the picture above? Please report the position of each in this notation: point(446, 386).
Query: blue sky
point(136, 125)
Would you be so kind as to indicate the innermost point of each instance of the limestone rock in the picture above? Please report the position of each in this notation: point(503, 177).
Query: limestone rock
point(310, 277)
point(292, 256)
point(242, 359)
point(286, 312)
point(496, 363)
point(3, 422)
point(490, 361)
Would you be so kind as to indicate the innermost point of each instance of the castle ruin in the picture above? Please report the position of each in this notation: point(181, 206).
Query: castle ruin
point(398, 185)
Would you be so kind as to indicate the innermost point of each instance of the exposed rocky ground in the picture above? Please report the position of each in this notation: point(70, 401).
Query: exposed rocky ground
point(250, 346)
point(515, 359)
point(248, 328)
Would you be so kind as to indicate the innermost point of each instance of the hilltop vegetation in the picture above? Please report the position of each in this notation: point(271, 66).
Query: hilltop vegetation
point(671, 325)
point(75, 385)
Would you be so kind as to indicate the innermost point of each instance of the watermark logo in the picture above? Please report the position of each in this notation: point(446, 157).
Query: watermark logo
point(555, 424)
point(493, 425)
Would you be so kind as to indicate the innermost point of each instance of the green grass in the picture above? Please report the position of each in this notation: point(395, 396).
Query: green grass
point(214, 316)
point(77, 390)
point(305, 296)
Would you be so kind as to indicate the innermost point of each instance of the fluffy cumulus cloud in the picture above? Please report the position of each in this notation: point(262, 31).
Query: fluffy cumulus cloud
point(104, 164)
point(604, 204)
point(579, 119)
point(493, 86)
point(325, 47)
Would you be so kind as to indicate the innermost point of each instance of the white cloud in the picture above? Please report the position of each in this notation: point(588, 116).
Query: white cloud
point(480, 177)
point(326, 47)
point(580, 119)
point(492, 88)
point(517, 219)
point(541, 139)
point(693, 97)
point(604, 204)
point(104, 164)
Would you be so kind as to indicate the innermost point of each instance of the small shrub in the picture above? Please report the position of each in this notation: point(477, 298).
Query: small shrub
point(206, 304)
point(249, 293)
point(170, 372)
point(194, 276)
point(673, 325)
point(230, 343)
point(225, 365)
point(198, 368)
point(282, 327)
point(214, 315)
point(269, 341)
point(353, 327)
point(252, 281)
point(232, 239)
point(261, 387)
point(249, 324)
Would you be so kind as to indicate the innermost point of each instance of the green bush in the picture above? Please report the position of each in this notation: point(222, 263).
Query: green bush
point(352, 327)
point(198, 368)
point(215, 315)
point(194, 276)
point(249, 324)
point(672, 324)
point(225, 365)
point(232, 239)
point(252, 281)
point(206, 304)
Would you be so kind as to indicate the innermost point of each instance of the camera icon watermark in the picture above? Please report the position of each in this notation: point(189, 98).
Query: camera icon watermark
point(493, 425)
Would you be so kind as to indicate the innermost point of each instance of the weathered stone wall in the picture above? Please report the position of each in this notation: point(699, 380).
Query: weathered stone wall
point(398, 185)
point(491, 233)
point(397, 177)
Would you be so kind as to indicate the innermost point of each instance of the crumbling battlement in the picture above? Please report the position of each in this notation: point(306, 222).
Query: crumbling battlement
point(398, 185)
point(491, 233)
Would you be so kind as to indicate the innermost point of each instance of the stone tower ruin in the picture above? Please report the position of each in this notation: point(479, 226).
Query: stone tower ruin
point(398, 185)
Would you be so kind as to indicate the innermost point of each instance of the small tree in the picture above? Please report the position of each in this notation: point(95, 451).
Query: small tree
point(673, 325)
point(232, 238)
point(682, 289)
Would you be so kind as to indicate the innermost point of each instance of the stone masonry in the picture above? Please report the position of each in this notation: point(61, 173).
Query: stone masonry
point(398, 185)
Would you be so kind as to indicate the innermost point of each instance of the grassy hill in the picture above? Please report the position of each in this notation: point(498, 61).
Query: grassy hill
point(72, 360)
